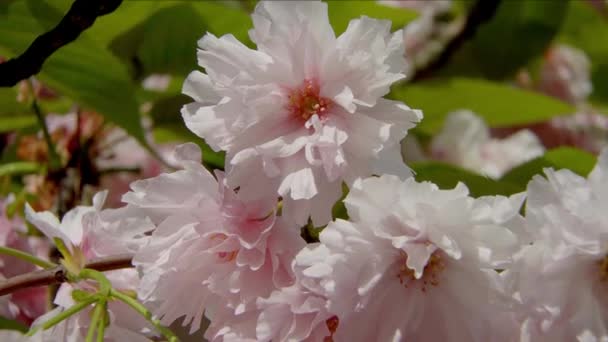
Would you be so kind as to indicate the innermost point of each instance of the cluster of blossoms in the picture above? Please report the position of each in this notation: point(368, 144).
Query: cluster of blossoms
point(300, 118)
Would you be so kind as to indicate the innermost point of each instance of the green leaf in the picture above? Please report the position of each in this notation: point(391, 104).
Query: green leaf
point(580, 162)
point(166, 40)
point(342, 12)
point(221, 19)
point(520, 31)
point(83, 70)
point(169, 40)
point(9, 124)
point(128, 15)
point(446, 176)
point(19, 168)
point(9, 104)
point(9, 324)
point(499, 105)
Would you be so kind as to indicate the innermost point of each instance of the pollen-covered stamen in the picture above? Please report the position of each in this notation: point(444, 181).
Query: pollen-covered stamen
point(332, 325)
point(305, 101)
point(217, 239)
point(430, 274)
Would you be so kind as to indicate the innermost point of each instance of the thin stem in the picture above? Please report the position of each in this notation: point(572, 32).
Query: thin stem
point(101, 330)
point(104, 283)
point(72, 310)
point(54, 159)
point(137, 306)
point(26, 257)
point(94, 323)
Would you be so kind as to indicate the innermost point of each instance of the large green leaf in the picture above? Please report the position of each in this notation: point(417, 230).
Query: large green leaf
point(500, 105)
point(578, 161)
point(83, 70)
point(221, 19)
point(166, 40)
point(342, 12)
point(446, 176)
point(169, 40)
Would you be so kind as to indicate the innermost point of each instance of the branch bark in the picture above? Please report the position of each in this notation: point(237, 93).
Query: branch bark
point(482, 11)
point(58, 274)
point(81, 16)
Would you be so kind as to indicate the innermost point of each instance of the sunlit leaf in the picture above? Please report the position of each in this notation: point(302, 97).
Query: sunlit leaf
point(342, 12)
point(498, 104)
point(578, 161)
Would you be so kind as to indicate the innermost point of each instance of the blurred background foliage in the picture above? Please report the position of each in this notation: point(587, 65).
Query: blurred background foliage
point(109, 68)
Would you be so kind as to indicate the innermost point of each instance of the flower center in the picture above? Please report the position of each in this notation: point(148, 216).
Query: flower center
point(217, 239)
point(305, 101)
point(430, 275)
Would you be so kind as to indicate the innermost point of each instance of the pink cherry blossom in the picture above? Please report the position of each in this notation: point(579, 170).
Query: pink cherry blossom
point(304, 112)
point(415, 262)
point(291, 313)
point(208, 245)
point(561, 280)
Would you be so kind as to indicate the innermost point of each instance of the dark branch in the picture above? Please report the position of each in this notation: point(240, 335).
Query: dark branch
point(81, 16)
point(58, 274)
point(482, 11)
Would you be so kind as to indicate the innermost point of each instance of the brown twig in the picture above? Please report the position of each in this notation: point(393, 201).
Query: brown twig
point(58, 274)
point(480, 12)
point(81, 16)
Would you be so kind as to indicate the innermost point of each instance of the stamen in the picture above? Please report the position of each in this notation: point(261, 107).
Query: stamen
point(430, 275)
point(304, 102)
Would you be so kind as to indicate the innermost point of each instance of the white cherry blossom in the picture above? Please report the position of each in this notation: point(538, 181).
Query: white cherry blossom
point(305, 111)
point(415, 262)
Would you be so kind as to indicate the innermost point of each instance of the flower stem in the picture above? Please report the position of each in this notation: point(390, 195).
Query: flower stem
point(137, 306)
point(74, 309)
point(104, 283)
point(101, 330)
point(98, 314)
point(26, 257)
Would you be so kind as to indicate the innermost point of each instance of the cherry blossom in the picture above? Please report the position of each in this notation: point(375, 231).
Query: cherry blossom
point(566, 213)
point(208, 246)
point(88, 232)
point(415, 262)
point(465, 141)
point(304, 112)
point(566, 74)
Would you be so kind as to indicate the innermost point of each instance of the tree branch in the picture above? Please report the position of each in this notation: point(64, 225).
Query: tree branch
point(58, 274)
point(482, 11)
point(81, 16)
